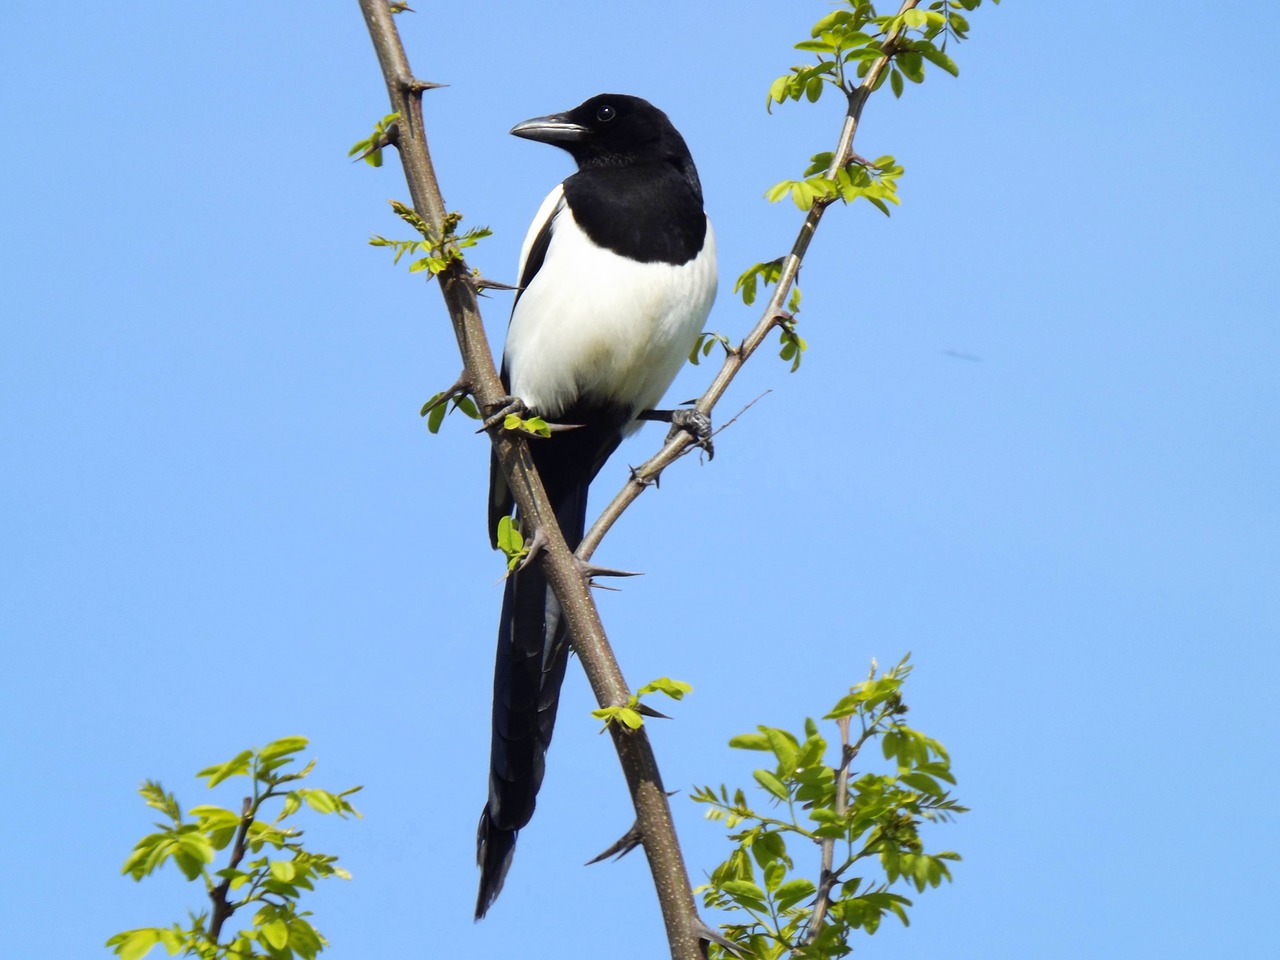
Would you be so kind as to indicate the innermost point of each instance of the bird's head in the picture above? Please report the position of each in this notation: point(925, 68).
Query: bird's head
point(609, 130)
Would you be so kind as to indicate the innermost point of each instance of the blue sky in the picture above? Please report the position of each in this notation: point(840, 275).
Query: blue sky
point(224, 521)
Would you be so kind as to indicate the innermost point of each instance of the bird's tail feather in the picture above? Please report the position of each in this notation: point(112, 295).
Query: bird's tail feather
point(532, 654)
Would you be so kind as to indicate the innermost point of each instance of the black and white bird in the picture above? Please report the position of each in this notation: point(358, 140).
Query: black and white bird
point(617, 275)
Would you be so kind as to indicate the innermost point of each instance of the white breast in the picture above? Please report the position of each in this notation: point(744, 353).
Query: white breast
point(593, 324)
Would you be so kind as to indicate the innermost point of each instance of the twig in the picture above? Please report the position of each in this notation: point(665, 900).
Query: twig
point(674, 447)
point(222, 908)
point(827, 879)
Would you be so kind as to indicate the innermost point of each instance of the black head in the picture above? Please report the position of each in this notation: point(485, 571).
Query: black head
point(610, 130)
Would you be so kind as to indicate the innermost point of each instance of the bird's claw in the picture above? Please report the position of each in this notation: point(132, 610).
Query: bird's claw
point(509, 406)
point(695, 423)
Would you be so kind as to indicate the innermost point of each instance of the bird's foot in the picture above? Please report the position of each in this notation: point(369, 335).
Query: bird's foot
point(507, 407)
point(695, 423)
point(691, 421)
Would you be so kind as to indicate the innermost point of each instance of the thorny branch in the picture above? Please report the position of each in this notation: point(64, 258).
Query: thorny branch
point(676, 446)
point(685, 929)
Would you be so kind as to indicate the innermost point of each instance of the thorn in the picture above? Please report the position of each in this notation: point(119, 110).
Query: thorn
point(644, 481)
point(647, 711)
point(626, 843)
point(589, 570)
point(390, 138)
point(414, 85)
point(713, 936)
point(564, 427)
point(620, 847)
point(483, 283)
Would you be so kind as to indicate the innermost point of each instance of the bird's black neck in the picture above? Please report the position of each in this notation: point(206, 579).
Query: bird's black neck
point(650, 212)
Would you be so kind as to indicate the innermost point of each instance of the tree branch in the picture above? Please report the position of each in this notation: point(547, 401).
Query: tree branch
point(653, 814)
point(222, 908)
point(675, 447)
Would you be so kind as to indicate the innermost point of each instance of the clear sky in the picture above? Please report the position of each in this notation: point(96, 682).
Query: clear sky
point(1035, 441)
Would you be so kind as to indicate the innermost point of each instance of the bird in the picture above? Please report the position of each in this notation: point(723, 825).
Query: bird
point(617, 275)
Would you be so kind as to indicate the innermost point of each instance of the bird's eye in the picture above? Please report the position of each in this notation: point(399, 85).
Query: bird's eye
point(606, 113)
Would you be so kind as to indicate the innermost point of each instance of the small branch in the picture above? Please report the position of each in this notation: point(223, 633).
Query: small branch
point(222, 907)
point(675, 447)
point(827, 879)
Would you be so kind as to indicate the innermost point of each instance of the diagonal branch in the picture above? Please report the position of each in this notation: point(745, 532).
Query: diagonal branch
point(653, 814)
point(676, 446)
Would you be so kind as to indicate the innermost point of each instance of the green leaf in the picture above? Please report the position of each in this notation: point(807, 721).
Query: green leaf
point(773, 874)
point(435, 417)
point(283, 870)
point(510, 540)
point(940, 59)
point(750, 741)
point(320, 801)
point(675, 689)
point(784, 747)
point(282, 747)
point(772, 784)
point(743, 889)
point(895, 81)
point(134, 944)
point(778, 91)
point(275, 934)
point(779, 190)
point(235, 767)
point(912, 65)
point(793, 891)
point(627, 716)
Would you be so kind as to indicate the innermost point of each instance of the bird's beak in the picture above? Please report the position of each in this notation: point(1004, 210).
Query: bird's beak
point(552, 129)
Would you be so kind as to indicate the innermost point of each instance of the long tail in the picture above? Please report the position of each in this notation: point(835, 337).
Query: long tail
point(533, 648)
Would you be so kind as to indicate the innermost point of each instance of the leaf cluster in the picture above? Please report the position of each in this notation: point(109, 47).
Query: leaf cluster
point(630, 715)
point(849, 40)
point(874, 181)
point(370, 149)
point(847, 43)
point(270, 882)
point(867, 825)
point(437, 249)
point(511, 541)
point(444, 403)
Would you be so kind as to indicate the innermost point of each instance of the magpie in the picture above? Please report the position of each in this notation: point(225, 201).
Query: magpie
point(617, 275)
